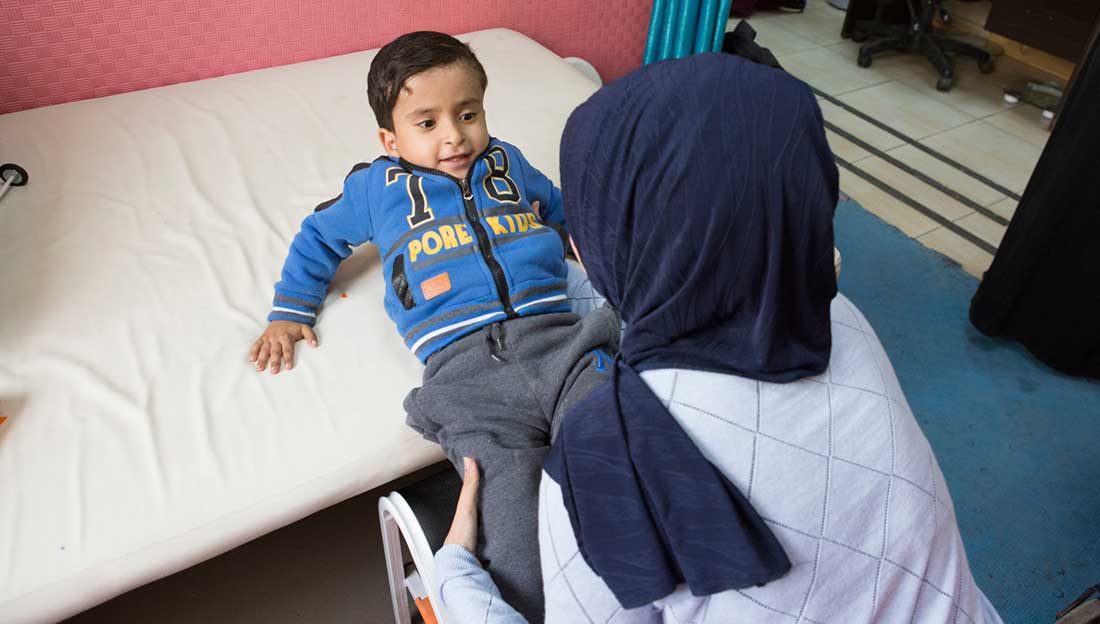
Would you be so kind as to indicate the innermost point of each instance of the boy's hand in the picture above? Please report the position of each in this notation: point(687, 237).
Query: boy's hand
point(276, 345)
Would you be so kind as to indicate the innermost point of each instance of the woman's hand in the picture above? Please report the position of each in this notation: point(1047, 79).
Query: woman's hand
point(464, 527)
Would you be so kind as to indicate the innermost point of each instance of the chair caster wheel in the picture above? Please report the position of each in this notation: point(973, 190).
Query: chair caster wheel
point(944, 84)
point(13, 172)
point(864, 60)
point(986, 66)
point(860, 36)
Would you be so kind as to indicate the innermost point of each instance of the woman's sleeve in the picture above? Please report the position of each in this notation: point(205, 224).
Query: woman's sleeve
point(467, 591)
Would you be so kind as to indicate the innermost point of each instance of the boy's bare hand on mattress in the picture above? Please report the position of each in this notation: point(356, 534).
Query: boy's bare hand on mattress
point(275, 347)
point(464, 527)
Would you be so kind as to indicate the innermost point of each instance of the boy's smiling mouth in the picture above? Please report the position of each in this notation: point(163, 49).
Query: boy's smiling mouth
point(455, 161)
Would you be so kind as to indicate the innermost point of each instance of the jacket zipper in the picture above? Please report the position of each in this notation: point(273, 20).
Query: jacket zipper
point(480, 234)
point(485, 246)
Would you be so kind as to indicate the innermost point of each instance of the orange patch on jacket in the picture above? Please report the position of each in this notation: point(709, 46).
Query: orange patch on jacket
point(436, 286)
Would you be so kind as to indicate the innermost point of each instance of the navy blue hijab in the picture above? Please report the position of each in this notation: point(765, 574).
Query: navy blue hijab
point(700, 194)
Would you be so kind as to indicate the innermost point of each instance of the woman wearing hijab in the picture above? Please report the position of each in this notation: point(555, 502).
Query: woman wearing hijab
point(752, 457)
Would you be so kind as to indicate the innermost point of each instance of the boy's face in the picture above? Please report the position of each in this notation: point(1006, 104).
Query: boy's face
point(439, 121)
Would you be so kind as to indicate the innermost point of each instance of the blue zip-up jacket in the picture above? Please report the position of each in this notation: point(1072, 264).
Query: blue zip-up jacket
point(456, 254)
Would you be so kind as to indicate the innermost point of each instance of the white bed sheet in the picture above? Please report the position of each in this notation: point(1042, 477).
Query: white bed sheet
point(136, 268)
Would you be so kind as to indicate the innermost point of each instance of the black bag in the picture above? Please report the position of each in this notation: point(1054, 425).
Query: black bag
point(741, 41)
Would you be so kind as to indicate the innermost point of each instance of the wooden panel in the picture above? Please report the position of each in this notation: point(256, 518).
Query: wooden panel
point(1054, 65)
point(1060, 27)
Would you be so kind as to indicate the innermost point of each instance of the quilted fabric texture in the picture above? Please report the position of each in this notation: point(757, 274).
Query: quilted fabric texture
point(839, 469)
point(54, 51)
point(582, 297)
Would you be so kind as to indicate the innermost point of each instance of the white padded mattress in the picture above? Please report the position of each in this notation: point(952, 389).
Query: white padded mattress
point(135, 270)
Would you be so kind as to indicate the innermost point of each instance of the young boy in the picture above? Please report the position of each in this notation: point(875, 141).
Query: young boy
point(471, 240)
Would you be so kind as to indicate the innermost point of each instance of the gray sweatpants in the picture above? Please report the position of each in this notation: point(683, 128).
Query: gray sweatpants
point(496, 395)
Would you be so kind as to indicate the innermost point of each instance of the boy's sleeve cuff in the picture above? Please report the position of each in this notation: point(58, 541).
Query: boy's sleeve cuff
point(293, 309)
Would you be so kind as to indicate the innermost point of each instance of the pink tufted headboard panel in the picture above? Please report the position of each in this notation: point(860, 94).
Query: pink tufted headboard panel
point(54, 51)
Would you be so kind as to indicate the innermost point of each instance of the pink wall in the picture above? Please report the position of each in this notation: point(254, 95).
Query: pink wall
point(54, 51)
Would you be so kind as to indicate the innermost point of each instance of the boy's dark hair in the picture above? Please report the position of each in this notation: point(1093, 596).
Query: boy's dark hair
point(407, 56)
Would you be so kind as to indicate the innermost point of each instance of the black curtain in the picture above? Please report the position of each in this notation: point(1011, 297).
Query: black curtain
point(1043, 287)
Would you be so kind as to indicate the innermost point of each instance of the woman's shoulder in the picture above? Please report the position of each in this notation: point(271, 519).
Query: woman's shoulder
point(858, 358)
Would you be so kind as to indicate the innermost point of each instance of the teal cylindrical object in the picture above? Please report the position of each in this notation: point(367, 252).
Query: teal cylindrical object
point(656, 27)
point(704, 34)
point(685, 30)
point(720, 20)
point(668, 31)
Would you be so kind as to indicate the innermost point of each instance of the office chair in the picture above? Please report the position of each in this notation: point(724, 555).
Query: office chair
point(917, 36)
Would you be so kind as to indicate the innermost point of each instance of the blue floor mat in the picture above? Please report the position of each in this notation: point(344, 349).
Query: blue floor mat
point(1018, 442)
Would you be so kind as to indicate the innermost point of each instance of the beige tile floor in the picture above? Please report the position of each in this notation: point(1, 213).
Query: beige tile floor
point(970, 124)
point(329, 567)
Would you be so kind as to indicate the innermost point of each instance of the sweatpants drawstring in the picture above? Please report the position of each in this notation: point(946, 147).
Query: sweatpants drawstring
point(496, 341)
